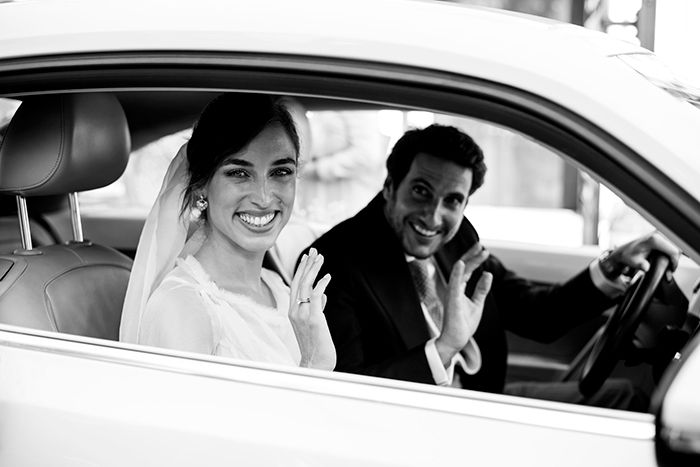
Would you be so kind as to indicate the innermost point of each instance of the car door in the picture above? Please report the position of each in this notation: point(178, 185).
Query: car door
point(70, 401)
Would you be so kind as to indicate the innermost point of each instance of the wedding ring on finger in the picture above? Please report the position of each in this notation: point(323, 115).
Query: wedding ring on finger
point(303, 300)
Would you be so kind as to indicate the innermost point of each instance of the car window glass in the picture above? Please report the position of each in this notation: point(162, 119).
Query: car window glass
point(133, 194)
point(342, 167)
point(550, 200)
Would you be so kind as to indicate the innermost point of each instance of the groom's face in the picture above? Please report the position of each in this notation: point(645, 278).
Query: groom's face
point(251, 194)
point(427, 207)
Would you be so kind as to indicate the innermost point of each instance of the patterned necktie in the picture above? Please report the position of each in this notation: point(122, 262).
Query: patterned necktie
point(425, 286)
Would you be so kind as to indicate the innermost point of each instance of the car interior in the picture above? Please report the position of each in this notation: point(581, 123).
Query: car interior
point(61, 145)
point(66, 256)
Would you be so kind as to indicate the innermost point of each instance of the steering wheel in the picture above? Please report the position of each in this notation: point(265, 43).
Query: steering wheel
point(620, 327)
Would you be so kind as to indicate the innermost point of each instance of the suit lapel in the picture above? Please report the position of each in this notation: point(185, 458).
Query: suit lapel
point(389, 279)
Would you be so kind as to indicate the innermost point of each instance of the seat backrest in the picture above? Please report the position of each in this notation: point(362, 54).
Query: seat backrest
point(76, 288)
point(57, 145)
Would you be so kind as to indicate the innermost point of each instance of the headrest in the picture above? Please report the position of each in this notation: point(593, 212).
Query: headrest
point(59, 144)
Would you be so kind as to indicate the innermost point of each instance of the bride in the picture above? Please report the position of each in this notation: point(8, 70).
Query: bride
point(198, 282)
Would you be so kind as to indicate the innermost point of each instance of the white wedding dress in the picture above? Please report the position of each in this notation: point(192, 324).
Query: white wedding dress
point(166, 278)
point(240, 327)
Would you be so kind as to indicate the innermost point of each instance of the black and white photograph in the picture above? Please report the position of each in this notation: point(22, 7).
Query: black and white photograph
point(378, 233)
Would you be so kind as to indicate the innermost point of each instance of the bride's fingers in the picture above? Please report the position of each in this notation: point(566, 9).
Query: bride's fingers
point(313, 254)
point(307, 282)
point(303, 272)
point(321, 286)
point(298, 275)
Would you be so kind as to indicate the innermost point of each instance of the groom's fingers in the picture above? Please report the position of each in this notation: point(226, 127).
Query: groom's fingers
point(474, 250)
point(463, 269)
point(473, 258)
point(457, 283)
point(482, 289)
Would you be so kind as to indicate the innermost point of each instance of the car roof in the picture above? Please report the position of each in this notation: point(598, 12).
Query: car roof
point(362, 29)
point(575, 67)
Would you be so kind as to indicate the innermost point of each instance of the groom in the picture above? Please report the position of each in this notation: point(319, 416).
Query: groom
point(396, 306)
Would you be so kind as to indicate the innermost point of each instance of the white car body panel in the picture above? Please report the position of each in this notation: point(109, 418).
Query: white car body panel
point(180, 411)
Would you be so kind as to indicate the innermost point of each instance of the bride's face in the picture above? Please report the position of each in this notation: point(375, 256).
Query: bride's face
point(251, 194)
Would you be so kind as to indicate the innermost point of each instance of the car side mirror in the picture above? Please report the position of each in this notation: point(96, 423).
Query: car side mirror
point(676, 403)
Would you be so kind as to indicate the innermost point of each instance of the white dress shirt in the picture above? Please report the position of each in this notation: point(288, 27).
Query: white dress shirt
point(470, 356)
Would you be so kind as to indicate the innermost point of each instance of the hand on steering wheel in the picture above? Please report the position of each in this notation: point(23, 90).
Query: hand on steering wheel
point(620, 327)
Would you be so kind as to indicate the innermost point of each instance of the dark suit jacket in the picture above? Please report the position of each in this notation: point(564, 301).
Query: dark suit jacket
point(375, 317)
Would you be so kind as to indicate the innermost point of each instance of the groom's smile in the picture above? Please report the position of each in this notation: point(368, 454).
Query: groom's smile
point(426, 209)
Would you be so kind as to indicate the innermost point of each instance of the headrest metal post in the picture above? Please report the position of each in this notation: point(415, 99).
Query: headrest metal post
point(23, 214)
point(75, 217)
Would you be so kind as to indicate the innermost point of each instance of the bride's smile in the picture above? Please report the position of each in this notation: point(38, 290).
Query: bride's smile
point(256, 220)
point(251, 193)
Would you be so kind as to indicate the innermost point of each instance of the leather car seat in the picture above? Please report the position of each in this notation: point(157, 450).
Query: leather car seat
point(60, 145)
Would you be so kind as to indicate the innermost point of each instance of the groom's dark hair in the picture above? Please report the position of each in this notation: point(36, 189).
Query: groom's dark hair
point(444, 142)
point(227, 125)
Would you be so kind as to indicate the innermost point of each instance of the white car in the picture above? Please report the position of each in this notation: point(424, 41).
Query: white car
point(71, 394)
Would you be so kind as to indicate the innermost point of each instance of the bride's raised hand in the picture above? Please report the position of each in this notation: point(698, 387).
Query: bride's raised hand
point(306, 314)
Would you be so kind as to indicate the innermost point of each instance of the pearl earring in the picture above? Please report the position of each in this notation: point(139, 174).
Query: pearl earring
point(201, 204)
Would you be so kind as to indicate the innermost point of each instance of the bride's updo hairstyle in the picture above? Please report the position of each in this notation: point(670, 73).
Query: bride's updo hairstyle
point(227, 125)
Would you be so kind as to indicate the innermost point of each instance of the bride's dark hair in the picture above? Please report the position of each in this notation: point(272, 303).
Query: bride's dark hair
point(227, 125)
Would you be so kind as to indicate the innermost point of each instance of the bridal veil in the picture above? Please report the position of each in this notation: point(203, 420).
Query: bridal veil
point(166, 235)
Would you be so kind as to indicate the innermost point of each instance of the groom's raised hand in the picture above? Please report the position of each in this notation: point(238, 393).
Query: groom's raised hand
point(462, 313)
